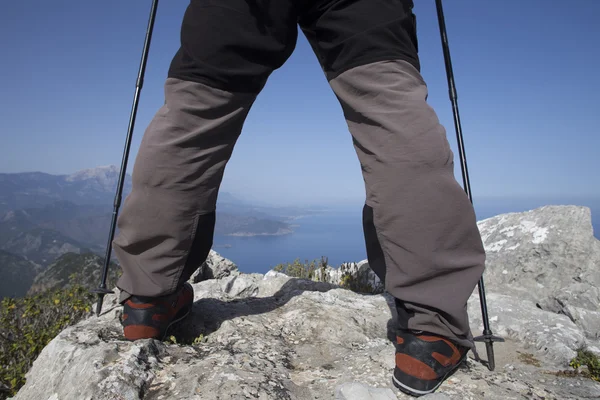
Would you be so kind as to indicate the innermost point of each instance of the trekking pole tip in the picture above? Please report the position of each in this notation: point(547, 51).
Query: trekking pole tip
point(489, 347)
point(489, 340)
point(99, 304)
point(101, 293)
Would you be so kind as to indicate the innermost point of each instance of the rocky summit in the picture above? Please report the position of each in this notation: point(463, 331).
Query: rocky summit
point(271, 336)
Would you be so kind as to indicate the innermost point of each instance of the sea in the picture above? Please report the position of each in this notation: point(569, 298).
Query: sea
point(338, 235)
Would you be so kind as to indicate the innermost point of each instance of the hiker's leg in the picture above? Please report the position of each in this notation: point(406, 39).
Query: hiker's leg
point(228, 50)
point(420, 227)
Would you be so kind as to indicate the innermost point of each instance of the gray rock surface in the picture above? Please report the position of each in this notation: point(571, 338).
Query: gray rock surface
point(587, 317)
point(549, 336)
point(254, 336)
point(360, 391)
point(548, 256)
point(436, 396)
point(215, 267)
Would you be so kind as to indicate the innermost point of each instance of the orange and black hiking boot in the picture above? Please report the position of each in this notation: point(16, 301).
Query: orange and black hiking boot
point(151, 317)
point(424, 361)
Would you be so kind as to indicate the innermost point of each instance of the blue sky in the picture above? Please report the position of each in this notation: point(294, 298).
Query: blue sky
point(526, 73)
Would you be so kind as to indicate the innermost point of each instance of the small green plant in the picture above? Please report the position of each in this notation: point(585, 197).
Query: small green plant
point(199, 340)
point(28, 324)
point(171, 339)
point(181, 339)
point(588, 359)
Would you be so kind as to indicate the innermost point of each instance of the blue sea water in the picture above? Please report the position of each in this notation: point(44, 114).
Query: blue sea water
point(337, 235)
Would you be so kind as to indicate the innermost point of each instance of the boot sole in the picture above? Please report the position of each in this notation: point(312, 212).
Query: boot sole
point(417, 393)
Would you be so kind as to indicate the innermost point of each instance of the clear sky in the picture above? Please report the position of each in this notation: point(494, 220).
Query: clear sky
point(526, 71)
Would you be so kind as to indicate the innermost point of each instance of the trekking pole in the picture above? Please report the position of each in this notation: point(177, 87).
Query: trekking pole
point(102, 290)
point(487, 336)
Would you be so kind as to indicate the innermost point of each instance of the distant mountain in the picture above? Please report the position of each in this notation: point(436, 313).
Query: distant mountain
point(20, 277)
point(97, 187)
point(44, 216)
point(86, 270)
point(99, 179)
point(16, 275)
point(86, 224)
point(94, 186)
point(51, 226)
point(42, 246)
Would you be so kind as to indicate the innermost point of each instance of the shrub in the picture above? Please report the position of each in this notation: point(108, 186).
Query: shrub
point(299, 270)
point(307, 270)
point(588, 359)
point(28, 324)
point(354, 284)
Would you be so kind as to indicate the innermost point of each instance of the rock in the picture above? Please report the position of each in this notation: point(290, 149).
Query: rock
point(215, 267)
point(255, 336)
point(550, 336)
point(584, 317)
point(548, 256)
point(435, 396)
point(360, 391)
point(274, 338)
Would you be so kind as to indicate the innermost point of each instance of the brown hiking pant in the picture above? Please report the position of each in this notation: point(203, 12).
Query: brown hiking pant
point(420, 228)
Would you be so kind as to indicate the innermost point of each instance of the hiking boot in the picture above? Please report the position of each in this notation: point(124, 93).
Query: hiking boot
point(151, 317)
point(424, 361)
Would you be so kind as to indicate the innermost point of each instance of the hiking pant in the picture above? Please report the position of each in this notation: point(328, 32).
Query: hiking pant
point(420, 227)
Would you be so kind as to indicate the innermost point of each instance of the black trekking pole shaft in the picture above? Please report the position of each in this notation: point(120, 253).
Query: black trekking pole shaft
point(487, 336)
point(102, 290)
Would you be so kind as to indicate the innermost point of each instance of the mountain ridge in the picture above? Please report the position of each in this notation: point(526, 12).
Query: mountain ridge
point(43, 216)
point(84, 269)
point(15, 281)
point(93, 186)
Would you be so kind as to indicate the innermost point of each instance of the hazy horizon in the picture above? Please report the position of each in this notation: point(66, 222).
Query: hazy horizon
point(351, 203)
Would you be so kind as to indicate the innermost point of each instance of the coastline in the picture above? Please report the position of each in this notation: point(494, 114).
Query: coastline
point(280, 232)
